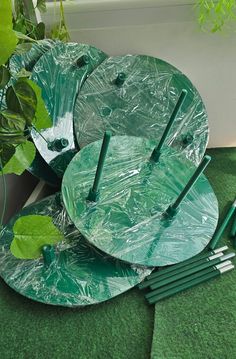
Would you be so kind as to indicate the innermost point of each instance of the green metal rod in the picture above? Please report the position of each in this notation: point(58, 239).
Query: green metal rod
point(223, 226)
point(181, 267)
point(190, 284)
point(184, 280)
point(173, 268)
point(191, 270)
point(94, 191)
point(173, 208)
point(233, 229)
point(157, 150)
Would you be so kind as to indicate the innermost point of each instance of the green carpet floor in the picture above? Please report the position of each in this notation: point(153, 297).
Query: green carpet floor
point(186, 326)
point(119, 329)
point(200, 323)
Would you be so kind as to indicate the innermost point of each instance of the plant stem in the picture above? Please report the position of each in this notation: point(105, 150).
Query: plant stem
point(4, 195)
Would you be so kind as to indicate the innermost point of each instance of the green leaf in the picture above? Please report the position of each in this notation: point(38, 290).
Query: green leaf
point(31, 233)
point(4, 76)
point(6, 152)
point(41, 5)
point(8, 39)
point(42, 119)
point(11, 121)
point(22, 99)
point(23, 48)
point(21, 160)
point(12, 126)
point(5, 14)
point(8, 42)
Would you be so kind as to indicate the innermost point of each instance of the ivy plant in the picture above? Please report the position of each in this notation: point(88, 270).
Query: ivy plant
point(215, 15)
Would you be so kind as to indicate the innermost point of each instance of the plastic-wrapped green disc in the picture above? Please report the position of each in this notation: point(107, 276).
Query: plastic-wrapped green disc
point(135, 95)
point(80, 274)
point(128, 220)
point(60, 73)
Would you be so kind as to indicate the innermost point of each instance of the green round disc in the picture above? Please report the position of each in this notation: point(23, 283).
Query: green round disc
point(128, 220)
point(141, 105)
point(80, 275)
point(60, 73)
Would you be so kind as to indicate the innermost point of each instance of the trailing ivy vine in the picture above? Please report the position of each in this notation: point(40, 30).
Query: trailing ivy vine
point(213, 16)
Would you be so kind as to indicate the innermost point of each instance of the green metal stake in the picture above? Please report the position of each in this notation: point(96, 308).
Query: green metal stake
point(220, 231)
point(191, 270)
point(186, 279)
point(169, 271)
point(172, 210)
point(94, 191)
point(157, 150)
point(190, 284)
point(233, 229)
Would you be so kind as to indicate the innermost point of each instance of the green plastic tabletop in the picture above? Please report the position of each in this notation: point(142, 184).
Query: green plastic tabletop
point(128, 220)
point(135, 95)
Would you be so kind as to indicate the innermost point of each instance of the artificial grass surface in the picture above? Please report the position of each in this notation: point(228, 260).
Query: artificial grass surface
point(118, 329)
point(200, 323)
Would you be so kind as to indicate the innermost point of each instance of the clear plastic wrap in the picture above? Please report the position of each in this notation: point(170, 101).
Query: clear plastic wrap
point(60, 73)
point(28, 59)
point(127, 221)
point(81, 274)
point(141, 105)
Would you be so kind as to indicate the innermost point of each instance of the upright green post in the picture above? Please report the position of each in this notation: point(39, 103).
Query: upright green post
point(218, 234)
point(171, 210)
point(233, 229)
point(94, 191)
point(157, 150)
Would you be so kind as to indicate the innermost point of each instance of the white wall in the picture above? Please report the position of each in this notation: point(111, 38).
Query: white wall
point(168, 30)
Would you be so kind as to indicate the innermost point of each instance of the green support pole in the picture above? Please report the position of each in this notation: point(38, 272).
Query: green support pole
point(191, 270)
point(157, 150)
point(94, 191)
point(233, 229)
point(171, 210)
point(186, 279)
point(172, 270)
point(190, 284)
point(221, 230)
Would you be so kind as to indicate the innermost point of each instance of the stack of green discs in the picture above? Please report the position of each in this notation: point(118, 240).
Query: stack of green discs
point(128, 139)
